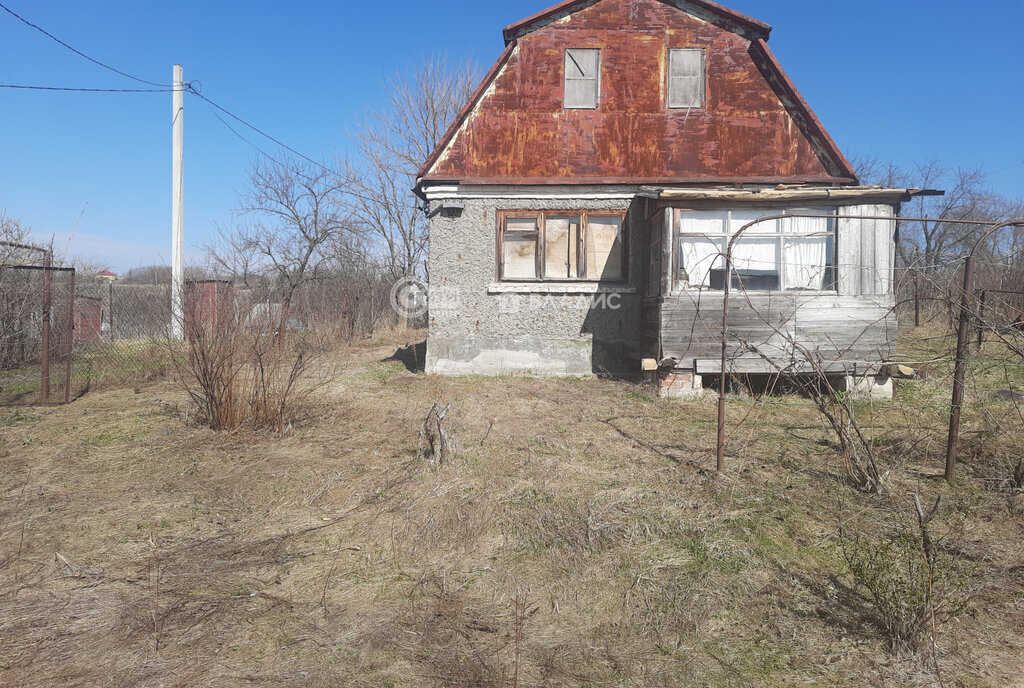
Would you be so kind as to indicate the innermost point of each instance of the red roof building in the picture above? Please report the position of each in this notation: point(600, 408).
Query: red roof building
point(583, 200)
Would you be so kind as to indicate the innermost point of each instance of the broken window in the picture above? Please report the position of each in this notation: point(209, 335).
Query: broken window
point(582, 78)
point(686, 78)
point(561, 246)
point(792, 254)
point(561, 241)
point(604, 247)
point(519, 248)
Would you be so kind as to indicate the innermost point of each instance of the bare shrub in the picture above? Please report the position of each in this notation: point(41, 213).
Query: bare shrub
point(913, 581)
point(836, 407)
point(237, 373)
point(854, 448)
point(522, 610)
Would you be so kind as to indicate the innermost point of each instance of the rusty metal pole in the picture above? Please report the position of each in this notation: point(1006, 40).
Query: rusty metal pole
point(71, 340)
point(992, 227)
point(960, 370)
point(720, 449)
point(44, 362)
point(981, 320)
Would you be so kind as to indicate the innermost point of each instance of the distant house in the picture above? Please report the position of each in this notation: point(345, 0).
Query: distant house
point(107, 275)
point(581, 203)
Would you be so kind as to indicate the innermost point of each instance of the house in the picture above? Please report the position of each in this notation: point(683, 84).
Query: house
point(581, 203)
point(106, 275)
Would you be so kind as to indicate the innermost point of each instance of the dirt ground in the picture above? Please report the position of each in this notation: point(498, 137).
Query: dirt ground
point(577, 536)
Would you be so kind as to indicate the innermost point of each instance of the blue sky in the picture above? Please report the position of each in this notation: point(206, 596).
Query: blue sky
point(901, 80)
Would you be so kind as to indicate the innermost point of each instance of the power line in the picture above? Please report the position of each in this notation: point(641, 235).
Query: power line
point(242, 138)
point(87, 90)
point(259, 131)
point(77, 52)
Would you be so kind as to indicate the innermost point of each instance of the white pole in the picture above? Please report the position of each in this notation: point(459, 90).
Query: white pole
point(177, 208)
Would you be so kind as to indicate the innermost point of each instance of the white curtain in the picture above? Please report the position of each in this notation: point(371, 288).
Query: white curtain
point(805, 256)
point(743, 216)
point(755, 254)
point(805, 263)
point(697, 257)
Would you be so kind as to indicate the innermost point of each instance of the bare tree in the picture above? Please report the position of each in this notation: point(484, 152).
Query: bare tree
point(391, 144)
point(294, 216)
point(929, 243)
point(15, 242)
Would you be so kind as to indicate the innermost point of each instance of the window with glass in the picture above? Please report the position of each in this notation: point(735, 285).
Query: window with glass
point(788, 254)
point(582, 88)
point(686, 78)
point(560, 245)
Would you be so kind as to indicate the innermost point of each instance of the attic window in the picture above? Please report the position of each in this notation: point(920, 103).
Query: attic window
point(686, 78)
point(582, 78)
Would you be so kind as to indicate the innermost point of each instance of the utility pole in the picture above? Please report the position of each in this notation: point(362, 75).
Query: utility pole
point(177, 207)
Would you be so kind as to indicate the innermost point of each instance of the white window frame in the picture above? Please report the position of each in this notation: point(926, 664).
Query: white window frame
point(772, 229)
point(566, 78)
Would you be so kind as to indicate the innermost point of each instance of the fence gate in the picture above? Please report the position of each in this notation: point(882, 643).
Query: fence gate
point(37, 333)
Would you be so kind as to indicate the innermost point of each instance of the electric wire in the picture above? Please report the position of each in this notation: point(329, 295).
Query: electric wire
point(191, 89)
point(76, 51)
point(243, 139)
point(87, 90)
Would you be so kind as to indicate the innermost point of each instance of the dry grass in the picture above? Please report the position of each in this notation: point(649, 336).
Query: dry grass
point(577, 536)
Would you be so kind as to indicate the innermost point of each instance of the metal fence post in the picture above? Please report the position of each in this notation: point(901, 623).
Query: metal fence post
point(720, 447)
point(71, 339)
point(960, 370)
point(962, 335)
point(44, 362)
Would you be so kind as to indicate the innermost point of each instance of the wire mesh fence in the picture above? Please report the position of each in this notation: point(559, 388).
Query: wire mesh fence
point(37, 315)
point(916, 423)
point(62, 336)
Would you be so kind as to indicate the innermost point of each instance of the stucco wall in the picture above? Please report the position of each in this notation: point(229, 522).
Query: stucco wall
point(475, 331)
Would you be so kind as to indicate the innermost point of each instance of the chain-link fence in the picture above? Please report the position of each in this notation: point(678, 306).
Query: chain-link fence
point(123, 330)
point(54, 348)
point(37, 335)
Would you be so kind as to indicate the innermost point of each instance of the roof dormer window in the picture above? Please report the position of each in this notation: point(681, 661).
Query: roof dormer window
point(582, 78)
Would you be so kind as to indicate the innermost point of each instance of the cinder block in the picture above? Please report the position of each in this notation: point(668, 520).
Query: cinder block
point(866, 387)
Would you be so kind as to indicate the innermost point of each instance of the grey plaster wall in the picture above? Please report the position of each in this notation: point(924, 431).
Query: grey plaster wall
point(472, 331)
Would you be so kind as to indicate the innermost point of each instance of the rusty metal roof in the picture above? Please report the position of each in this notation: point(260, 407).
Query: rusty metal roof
point(562, 9)
point(754, 128)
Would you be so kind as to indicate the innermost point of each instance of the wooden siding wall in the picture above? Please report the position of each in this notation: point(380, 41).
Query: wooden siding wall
point(853, 328)
point(854, 332)
point(866, 251)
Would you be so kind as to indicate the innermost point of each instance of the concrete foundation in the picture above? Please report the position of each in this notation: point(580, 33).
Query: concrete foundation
point(534, 356)
point(680, 384)
point(866, 388)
